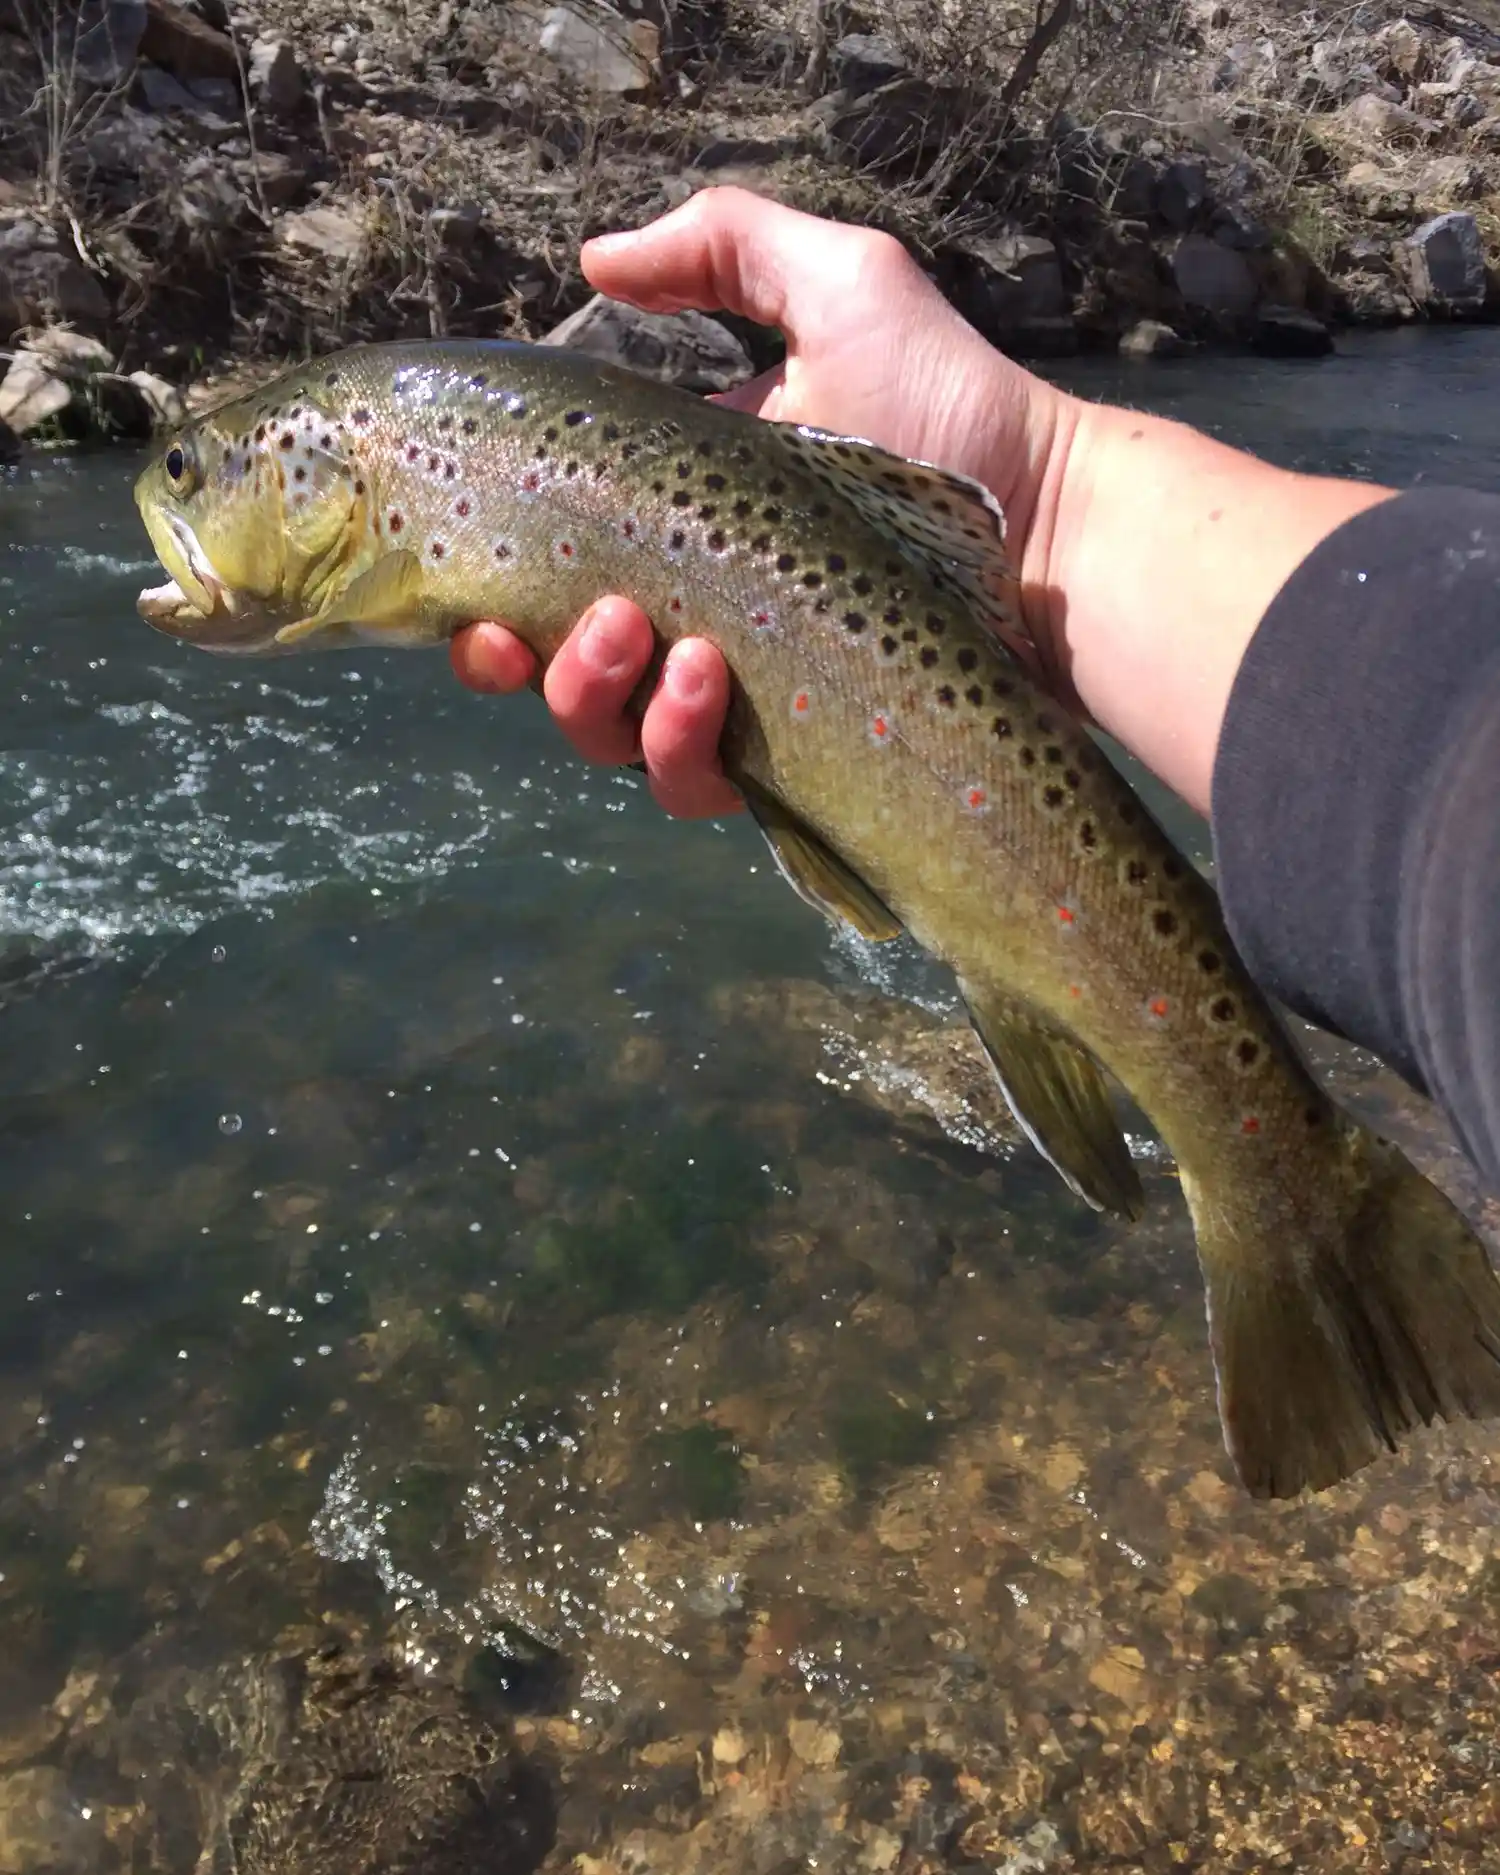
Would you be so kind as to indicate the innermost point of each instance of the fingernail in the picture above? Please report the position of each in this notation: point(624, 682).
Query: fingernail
point(684, 679)
point(608, 244)
point(603, 646)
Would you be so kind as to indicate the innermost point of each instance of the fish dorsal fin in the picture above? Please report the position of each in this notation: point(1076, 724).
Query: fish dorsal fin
point(383, 595)
point(816, 873)
point(948, 525)
point(1058, 1095)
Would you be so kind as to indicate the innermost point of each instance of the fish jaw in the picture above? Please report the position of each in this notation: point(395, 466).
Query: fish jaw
point(196, 605)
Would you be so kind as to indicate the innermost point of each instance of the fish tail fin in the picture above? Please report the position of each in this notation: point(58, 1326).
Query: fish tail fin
point(1382, 1318)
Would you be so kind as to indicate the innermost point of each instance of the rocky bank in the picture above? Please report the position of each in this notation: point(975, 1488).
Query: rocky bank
point(190, 186)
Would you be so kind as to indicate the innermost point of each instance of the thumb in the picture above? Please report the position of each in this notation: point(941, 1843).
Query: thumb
point(724, 250)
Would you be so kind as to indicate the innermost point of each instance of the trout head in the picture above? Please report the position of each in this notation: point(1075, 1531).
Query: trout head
point(259, 517)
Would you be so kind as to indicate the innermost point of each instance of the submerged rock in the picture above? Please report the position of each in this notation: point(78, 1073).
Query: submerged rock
point(1150, 338)
point(1444, 265)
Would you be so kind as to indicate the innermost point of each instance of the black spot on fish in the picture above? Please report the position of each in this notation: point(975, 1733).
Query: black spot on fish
point(1209, 963)
point(835, 563)
point(550, 434)
point(716, 541)
point(1248, 1050)
point(855, 621)
point(678, 540)
point(889, 645)
point(975, 695)
point(892, 615)
point(776, 486)
point(1027, 757)
point(910, 635)
point(812, 580)
point(331, 380)
point(929, 655)
point(1128, 814)
point(762, 543)
point(469, 426)
point(1073, 778)
point(786, 563)
point(705, 447)
point(611, 432)
point(946, 696)
point(684, 470)
point(1001, 727)
point(575, 417)
point(773, 515)
point(968, 658)
point(743, 509)
point(682, 499)
point(1053, 796)
point(1223, 1010)
point(1088, 839)
point(714, 481)
point(1171, 868)
point(862, 584)
point(1136, 872)
point(1165, 922)
point(1053, 753)
point(707, 511)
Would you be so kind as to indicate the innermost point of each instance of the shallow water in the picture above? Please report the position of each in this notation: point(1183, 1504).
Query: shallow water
point(439, 1205)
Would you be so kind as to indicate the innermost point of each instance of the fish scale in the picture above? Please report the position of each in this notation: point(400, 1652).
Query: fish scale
point(908, 774)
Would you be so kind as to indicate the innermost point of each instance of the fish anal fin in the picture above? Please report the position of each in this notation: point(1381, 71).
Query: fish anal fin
point(384, 595)
point(1060, 1100)
point(945, 523)
point(816, 873)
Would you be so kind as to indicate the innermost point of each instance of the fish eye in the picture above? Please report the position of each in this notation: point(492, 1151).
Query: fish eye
point(179, 466)
point(176, 463)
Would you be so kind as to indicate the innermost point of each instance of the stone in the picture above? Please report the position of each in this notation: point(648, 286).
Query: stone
point(276, 177)
point(1374, 116)
point(120, 407)
point(275, 76)
point(1233, 226)
point(1213, 278)
point(31, 395)
point(1150, 338)
point(456, 228)
point(1374, 298)
point(1001, 282)
point(1379, 193)
point(899, 127)
point(71, 355)
point(593, 44)
point(181, 42)
point(336, 234)
point(1443, 264)
point(1181, 192)
point(862, 62)
point(1449, 179)
point(1404, 50)
point(41, 285)
point(165, 400)
point(687, 349)
point(160, 91)
point(1289, 332)
point(41, 1826)
point(105, 51)
point(1465, 110)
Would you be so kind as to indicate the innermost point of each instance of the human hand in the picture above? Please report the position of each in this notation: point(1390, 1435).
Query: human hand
point(873, 350)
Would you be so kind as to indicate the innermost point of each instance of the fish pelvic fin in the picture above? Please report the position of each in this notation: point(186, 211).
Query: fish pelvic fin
point(946, 524)
point(1058, 1094)
point(1330, 1350)
point(816, 873)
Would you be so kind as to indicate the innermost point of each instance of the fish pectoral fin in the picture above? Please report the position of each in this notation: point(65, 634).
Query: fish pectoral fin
point(383, 595)
point(816, 873)
point(1060, 1100)
point(944, 523)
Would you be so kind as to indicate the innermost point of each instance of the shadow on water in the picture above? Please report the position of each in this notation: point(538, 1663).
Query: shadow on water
point(518, 1350)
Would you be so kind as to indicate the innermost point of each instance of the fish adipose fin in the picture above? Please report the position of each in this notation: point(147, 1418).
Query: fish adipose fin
point(1060, 1100)
point(1328, 1350)
point(816, 873)
point(946, 524)
point(383, 594)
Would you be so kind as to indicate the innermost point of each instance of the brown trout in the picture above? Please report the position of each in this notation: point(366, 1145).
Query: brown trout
point(908, 775)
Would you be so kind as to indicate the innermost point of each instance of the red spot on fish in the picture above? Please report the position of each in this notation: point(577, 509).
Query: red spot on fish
point(412, 452)
point(760, 618)
point(502, 549)
point(1158, 1008)
point(977, 798)
point(1250, 1124)
point(433, 463)
point(531, 481)
point(1066, 914)
point(880, 728)
point(1074, 990)
point(438, 550)
point(397, 521)
point(565, 548)
point(628, 529)
point(461, 507)
point(674, 605)
point(801, 702)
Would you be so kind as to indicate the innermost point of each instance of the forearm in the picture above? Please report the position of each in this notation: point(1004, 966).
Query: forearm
point(1152, 554)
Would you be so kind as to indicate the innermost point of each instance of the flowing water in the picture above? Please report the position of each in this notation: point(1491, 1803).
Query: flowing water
point(449, 1208)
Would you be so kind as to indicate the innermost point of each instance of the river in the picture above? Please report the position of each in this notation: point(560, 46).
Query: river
point(447, 1206)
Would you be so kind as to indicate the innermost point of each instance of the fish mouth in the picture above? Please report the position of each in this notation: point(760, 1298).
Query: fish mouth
point(196, 606)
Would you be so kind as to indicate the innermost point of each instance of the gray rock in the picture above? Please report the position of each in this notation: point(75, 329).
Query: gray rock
point(31, 394)
point(1150, 338)
point(160, 91)
point(1375, 116)
point(40, 285)
point(120, 406)
point(1181, 192)
point(1372, 297)
point(1002, 282)
point(275, 75)
point(1404, 50)
point(1449, 179)
point(279, 178)
point(336, 234)
point(1233, 226)
point(164, 400)
point(1213, 278)
point(862, 62)
point(596, 46)
point(70, 355)
point(1443, 264)
point(1466, 110)
point(106, 48)
point(687, 349)
point(1380, 193)
point(1288, 332)
point(899, 127)
point(456, 228)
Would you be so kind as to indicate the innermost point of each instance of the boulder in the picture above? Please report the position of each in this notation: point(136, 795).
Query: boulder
point(1449, 179)
point(74, 356)
point(1234, 226)
point(1181, 193)
point(900, 127)
point(119, 406)
point(1380, 193)
point(687, 349)
point(1150, 338)
point(181, 42)
point(1402, 50)
point(163, 400)
point(1213, 278)
point(861, 62)
point(1288, 332)
point(1372, 297)
point(1005, 281)
point(1443, 264)
point(31, 394)
point(1465, 110)
point(334, 234)
point(275, 76)
point(593, 44)
point(40, 284)
point(276, 177)
point(106, 49)
point(1374, 116)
